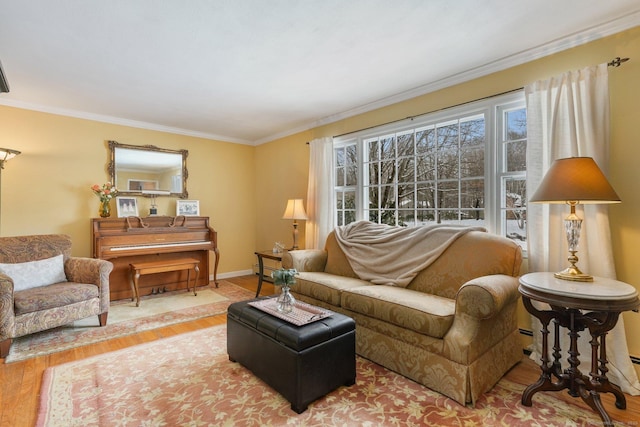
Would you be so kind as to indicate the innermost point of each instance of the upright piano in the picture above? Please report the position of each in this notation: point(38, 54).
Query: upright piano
point(128, 240)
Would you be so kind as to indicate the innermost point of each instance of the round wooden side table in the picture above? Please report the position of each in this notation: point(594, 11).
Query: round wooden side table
point(577, 306)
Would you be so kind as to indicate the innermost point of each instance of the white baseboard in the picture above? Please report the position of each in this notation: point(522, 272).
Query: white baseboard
point(231, 274)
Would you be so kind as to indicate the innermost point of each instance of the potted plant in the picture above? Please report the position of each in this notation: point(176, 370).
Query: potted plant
point(285, 278)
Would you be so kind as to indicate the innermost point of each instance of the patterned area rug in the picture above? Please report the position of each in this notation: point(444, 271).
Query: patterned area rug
point(189, 380)
point(125, 318)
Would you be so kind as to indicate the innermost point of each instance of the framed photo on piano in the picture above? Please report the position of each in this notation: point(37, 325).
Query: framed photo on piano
point(188, 207)
point(127, 206)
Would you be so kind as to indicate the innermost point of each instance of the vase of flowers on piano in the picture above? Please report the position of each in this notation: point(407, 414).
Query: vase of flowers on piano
point(105, 193)
point(285, 278)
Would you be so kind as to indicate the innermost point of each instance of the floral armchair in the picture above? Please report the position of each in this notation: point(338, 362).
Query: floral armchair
point(42, 286)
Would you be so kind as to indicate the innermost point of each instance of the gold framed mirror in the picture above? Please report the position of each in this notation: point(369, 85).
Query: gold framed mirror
point(146, 170)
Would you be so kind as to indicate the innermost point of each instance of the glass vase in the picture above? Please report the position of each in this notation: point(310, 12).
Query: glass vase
point(285, 301)
point(105, 209)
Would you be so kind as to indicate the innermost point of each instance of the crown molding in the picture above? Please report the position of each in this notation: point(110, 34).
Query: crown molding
point(120, 121)
point(618, 25)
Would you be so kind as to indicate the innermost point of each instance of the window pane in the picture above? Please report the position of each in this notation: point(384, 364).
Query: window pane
point(339, 200)
point(373, 198)
point(406, 218)
point(387, 197)
point(425, 167)
point(514, 203)
point(425, 215)
point(352, 154)
point(340, 177)
point(372, 148)
point(472, 133)
point(425, 193)
point(448, 216)
point(350, 200)
point(406, 195)
point(472, 194)
point(516, 193)
point(406, 171)
point(388, 217)
point(425, 141)
point(448, 138)
point(405, 145)
point(387, 149)
point(448, 152)
point(388, 172)
point(352, 175)
point(349, 217)
point(516, 156)
point(516, 124)
point(374, 169)
point(339, 156)
point(448, 195)
point(472, 163)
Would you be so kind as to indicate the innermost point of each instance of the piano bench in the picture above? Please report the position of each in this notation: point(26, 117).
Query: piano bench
point(141, 268)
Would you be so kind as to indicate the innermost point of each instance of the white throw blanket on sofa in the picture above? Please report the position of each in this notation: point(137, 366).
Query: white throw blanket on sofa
point(387, 255)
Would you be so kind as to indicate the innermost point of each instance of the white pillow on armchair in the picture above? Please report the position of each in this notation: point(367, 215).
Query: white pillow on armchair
point(32, 274)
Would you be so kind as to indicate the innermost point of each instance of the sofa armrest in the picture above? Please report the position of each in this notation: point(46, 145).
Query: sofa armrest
point(7, 314)
point(484, 297)
point(91, 270)
point(305, 260)
point(485, 315)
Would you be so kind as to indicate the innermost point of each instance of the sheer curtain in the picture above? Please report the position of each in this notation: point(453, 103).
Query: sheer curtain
point(568, 116)
point(319, 193)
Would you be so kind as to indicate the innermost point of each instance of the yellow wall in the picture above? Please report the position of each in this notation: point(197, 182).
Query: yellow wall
point(625, 144)
point(244, 189)
point(46, 188)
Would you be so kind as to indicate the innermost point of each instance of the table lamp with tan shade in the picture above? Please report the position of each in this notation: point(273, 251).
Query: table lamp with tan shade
point(574, 181)
point(295, 211)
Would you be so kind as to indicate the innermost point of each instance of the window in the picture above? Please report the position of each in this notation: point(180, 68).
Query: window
point(464, 165)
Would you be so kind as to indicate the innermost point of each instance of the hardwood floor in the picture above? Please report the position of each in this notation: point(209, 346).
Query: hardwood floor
point(20, 381)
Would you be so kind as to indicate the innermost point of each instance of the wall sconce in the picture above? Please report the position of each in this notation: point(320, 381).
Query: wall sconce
point(6, 154)
point(574, 180)
point(295, 211)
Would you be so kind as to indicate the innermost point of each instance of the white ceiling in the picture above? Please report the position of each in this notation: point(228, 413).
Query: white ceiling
point(249, 71)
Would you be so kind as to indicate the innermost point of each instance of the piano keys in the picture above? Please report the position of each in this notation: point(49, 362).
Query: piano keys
point(128, 240)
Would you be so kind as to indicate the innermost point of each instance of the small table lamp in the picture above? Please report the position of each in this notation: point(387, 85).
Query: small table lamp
point(574, 180)
point(294, 211)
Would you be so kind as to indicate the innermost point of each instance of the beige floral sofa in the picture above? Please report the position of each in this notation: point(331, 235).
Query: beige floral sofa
point(42, 286)
point(452, 327)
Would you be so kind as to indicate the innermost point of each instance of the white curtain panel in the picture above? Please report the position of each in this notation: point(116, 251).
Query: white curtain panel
point(320, 204)
point(568, 116)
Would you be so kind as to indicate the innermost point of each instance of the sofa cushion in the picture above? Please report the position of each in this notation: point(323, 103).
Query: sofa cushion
point(427, 314)
point(32, 274)
point(52, 296)
point(325, 287)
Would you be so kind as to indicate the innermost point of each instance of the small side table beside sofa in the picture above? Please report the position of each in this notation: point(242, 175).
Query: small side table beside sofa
point(577, 306)
point(275, 256)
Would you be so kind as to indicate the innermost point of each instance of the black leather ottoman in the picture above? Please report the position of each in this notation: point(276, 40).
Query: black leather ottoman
point(302, 363)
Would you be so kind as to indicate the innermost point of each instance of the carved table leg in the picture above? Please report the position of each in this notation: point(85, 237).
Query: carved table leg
point(545, 381)
point(599, 324)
